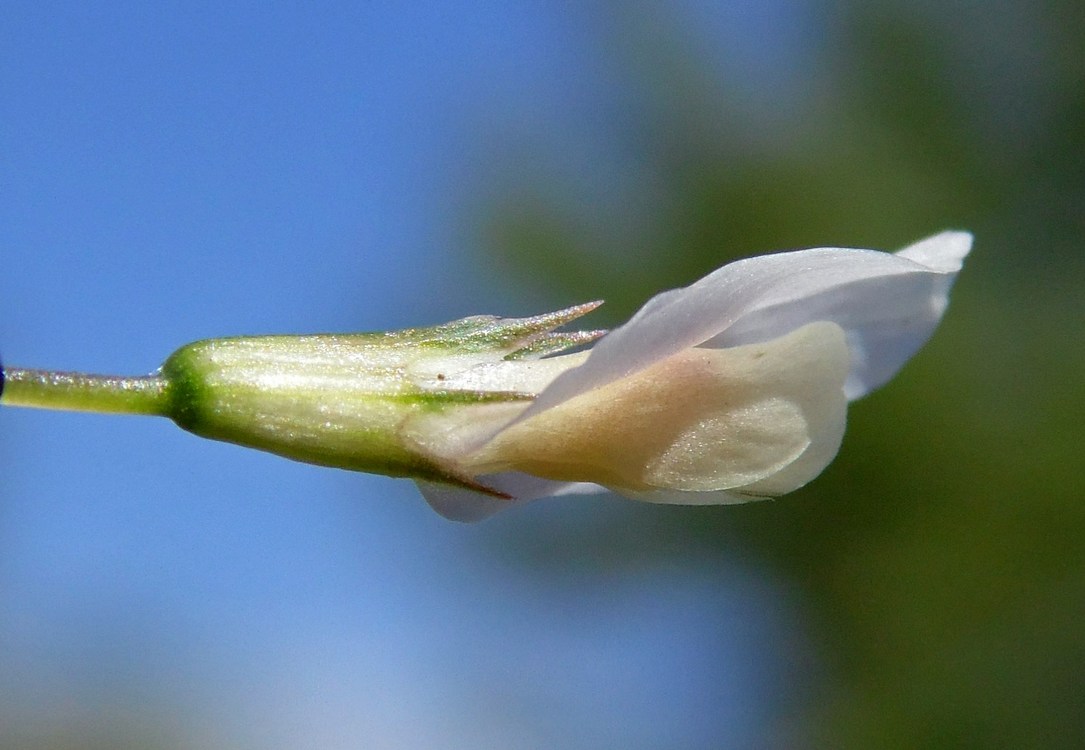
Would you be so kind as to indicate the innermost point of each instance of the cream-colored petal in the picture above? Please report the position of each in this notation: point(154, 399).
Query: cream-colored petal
point(700, 421)
point(825, 422)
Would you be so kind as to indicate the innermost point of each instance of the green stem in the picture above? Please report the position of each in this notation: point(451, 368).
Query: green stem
point(76, 391)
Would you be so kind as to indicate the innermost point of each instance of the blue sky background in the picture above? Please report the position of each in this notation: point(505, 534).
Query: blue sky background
point(171, 172)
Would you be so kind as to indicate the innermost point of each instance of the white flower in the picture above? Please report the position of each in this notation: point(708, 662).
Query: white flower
point(731, 389)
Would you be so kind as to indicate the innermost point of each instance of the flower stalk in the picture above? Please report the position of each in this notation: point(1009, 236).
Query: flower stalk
point(77, 391)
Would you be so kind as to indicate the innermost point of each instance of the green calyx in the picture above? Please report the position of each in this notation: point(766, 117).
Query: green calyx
point(516, 338)
point(334, 400)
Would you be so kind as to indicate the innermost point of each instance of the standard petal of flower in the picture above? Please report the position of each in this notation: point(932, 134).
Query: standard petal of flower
point(701, 421)
point(887, 304)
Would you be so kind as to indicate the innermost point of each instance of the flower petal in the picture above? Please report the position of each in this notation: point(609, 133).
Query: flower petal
point(701, 421)
point(461, 504)
point(888, 305)
point(729, 390)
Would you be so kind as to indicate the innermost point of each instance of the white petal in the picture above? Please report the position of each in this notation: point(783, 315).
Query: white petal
point(824, 417)
point(678, 497)
point(461, 504)
point(700, 421)
point(944, 252)
point(887, 304)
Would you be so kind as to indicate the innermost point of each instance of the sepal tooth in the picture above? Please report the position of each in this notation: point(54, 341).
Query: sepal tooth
point(552, 343)
point(488, 332)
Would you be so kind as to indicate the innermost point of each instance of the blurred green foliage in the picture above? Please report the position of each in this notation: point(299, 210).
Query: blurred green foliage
point(939, 563)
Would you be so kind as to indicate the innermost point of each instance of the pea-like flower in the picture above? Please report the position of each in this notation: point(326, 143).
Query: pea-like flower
point(732, 389)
